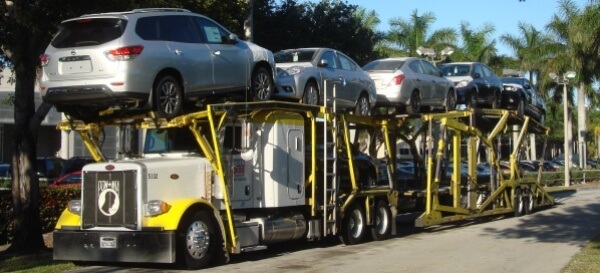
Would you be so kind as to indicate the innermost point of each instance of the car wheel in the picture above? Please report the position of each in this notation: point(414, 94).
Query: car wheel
point(199, 242)
point(518, 204)
point(414, 103)
point(311, 94)
point(262, 85)
point(496, 101)
point(521, 107)
point(169, 97)
point(363, 107)
point(472, 100)
point(353, 225)
point(382, 225)
point(450, 101)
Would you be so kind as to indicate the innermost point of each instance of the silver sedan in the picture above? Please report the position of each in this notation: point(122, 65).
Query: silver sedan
point(303, 74)
point(411, 84)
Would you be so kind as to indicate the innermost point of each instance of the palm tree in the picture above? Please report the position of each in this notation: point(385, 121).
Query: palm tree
point(408, 35)
point(575, 48)
point(526, 47)
point(476, 44)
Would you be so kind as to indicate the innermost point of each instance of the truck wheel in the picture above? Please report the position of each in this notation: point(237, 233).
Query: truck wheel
point(169, 97)
point(353, 225)
point(529, 201)
point(262, 85)
point(518, 204)
point(382, 227)
point(198, 241)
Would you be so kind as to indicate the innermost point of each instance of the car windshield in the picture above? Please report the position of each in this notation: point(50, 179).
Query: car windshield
point(88, 32)
point(295, 56)
point(383, 65)
point(512, 80)
point(455, 70)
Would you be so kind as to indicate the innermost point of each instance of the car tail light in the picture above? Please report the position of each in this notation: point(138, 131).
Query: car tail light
point(44, 59)
point(124, 53)
point(398, 79)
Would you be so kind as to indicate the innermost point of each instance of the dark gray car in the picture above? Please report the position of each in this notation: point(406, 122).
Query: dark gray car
point(475, 83)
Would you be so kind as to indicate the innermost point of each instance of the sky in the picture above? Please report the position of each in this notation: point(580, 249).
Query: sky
point(505, 15)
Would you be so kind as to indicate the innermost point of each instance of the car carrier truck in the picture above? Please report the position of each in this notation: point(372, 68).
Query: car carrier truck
point(237, 177)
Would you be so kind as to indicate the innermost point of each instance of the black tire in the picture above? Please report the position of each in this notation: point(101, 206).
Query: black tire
point(414, 103)
point(363, 107)
point(353, 225)
point(529, 202)
point(199, 242)
point(311, 94)
point(262, 85)
point(382, 224)
point(518, 204)
point(168, 97)
point(450, 101)
point(472, 100)
point(496, 101)
point(521, 107)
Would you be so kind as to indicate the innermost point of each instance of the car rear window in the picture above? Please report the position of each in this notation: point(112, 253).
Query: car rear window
point(88, 32)
point(383, 65)
point(294, 56)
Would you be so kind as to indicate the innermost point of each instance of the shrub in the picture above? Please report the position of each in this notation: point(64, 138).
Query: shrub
point(53, 201)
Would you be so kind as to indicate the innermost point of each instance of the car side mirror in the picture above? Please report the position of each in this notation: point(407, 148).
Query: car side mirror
point(476, 76)
point(233, 38)
point(323, 63)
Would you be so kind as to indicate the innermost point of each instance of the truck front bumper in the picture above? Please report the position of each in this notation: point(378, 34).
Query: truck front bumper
point(114, 246)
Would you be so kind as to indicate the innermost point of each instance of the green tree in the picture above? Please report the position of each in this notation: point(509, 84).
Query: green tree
point(408, 35)
point(477, 46)
point(526, 47)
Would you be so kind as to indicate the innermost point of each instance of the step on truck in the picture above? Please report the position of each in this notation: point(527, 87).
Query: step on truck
point(233, 178)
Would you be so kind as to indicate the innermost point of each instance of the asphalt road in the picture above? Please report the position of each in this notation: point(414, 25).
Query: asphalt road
point(542, 242)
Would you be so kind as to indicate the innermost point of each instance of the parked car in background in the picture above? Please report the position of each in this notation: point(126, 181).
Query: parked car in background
point(519, 94)
point(49, 168)
point(75, 164)
point(411, 84)
point(303, 74)
point(149, 58)
point(475, 83)
point(70, 179)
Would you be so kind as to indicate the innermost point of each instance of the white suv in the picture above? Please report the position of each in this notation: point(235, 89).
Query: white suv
point(149, 59)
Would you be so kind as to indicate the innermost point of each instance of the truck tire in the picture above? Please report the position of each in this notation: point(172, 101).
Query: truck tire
point(169, 97)
point(353, 225)
point(518, 203)
point(529, 201)
point(382, 225)
point(198, 241)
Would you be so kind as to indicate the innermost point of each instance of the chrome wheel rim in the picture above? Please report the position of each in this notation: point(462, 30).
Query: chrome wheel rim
point(168, 97)
point(197, 240)
point(363, 106)
point(356, 224)
point(312, 95)
point(381, 221)
point(262, 86)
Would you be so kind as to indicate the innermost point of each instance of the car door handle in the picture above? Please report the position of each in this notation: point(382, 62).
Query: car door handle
point(218, 52)
point(178, 52)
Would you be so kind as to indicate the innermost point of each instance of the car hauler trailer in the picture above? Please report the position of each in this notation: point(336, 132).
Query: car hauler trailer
point(252, 174)
point(249, 175)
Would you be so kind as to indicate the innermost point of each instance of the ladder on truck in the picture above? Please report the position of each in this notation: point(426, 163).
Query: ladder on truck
point(330, 163)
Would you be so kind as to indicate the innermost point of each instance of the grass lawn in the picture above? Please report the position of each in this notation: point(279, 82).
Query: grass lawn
point(41, 263)
point(587, 260)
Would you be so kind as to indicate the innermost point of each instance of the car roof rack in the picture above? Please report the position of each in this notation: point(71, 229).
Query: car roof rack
point(160, 9)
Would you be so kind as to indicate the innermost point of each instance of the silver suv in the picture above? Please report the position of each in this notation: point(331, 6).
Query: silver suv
point(149, 59)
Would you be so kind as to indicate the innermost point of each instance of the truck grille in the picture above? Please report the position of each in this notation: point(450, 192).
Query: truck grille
point(109, 199)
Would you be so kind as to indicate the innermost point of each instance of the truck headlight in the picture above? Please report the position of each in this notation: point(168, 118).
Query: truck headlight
point(156, 207)
point(75, 207)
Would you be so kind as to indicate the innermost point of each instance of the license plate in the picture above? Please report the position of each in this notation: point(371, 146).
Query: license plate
point(108, 242)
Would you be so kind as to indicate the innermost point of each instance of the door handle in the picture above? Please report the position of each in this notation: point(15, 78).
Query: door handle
point(178, 52)
point(218, 52)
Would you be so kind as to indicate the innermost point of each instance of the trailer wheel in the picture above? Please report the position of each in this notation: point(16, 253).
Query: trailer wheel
point(169, 97)
point(529, 201)
point(518, 204)
point(198, 242)
point(353, 225)
point(382, 227)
